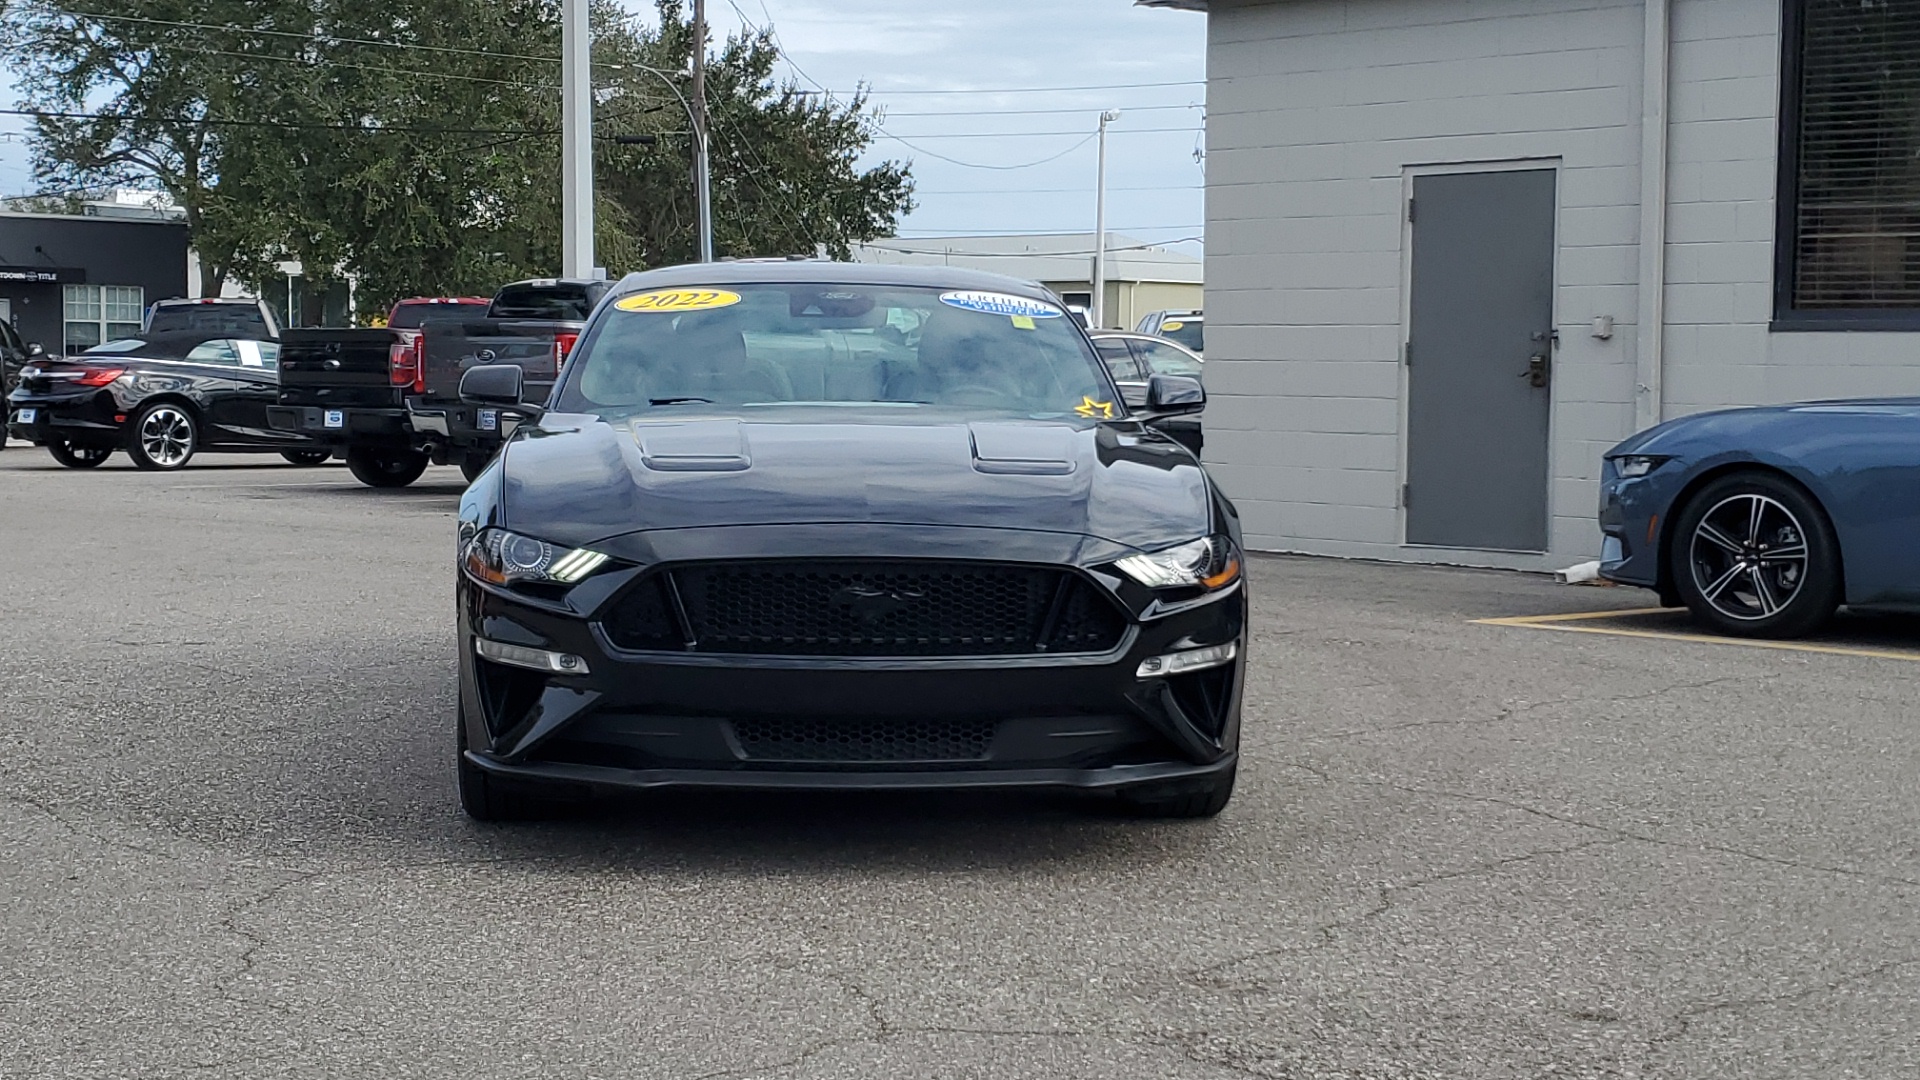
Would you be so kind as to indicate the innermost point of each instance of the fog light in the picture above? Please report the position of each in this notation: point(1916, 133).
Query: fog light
point(558, 663)
point(1180, 663)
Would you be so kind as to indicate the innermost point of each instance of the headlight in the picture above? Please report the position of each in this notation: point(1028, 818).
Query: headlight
point(1637, 465)
point(1208, 563)
point(503, 558)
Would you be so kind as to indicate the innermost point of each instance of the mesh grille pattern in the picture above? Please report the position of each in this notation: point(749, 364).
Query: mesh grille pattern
point(900, 608)
point(864, 741)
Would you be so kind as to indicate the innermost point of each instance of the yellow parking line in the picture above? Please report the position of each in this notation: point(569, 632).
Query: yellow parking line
point(1565, 624)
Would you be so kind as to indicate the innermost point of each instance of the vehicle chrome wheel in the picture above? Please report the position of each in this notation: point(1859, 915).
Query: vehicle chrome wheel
point(165, 437)
point(1749, 557)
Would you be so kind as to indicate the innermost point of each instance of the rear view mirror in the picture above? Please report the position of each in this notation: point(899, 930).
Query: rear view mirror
point(1175, 395)
point(496, 387)
point(34, 348)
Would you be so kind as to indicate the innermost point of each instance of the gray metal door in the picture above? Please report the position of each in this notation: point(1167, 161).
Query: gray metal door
point(1480, 357)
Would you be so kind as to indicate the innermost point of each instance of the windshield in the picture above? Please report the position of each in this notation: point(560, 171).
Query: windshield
point(233, 319)
point(411, 316)
point(772, 344)
point(558, 301)
point(1188, 332)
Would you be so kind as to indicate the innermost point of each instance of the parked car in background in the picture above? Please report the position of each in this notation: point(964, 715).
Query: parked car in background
point(531, 325)
point(161, 397)
point(347, 390)
point(1187, 328)
point(1134, 359)
point(239, 319)
point(14, 354)
point(1763, 521)
point(814, 525)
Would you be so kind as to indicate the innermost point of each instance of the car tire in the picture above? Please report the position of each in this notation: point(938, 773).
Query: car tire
point(1754, 555)
point(78, 457)
point(472, 465)
point(386, 468)
point(1181, 798)
point(306, 457)
point(486, 797)
point(163, 436)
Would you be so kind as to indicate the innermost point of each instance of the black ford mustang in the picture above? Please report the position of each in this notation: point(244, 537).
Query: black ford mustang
point(804, 525)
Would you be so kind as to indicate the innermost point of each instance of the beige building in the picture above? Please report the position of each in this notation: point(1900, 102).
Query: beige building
point(1140, 277)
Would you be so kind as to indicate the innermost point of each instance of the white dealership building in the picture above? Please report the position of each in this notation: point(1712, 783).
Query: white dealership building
point(1458, 248)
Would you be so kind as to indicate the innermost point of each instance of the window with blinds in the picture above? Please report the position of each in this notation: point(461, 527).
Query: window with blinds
point(1851, 157)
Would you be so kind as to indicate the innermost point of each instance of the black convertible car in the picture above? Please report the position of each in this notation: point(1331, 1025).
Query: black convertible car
point(807, 525)
point(162, 398)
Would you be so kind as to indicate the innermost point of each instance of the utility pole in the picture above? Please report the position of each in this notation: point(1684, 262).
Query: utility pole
point(702, 175)
point(576, 137)
point(1100, 227)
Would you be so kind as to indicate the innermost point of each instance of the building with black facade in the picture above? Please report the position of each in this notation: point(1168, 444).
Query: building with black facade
point(70, 281)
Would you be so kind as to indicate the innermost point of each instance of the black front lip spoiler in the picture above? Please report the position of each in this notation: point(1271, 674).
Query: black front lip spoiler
point(1110, 778)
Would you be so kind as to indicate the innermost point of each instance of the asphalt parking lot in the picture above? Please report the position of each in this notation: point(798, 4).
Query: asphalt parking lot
point(229, 844)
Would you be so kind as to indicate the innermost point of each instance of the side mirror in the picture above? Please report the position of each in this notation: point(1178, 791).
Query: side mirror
point(1174, 395)
point(34, 348)
point(496, 387)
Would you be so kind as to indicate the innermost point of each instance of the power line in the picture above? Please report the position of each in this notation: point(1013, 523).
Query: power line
point(1037, 89)
point(408, 72)
point(281, 124)
point(1062, 190)
point(980, 165)
point(1037, 112)
point(1041, 134)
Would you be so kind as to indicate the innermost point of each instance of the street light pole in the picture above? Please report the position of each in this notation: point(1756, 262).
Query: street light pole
point(702, 175)
point(1100, 226)
point(576, 151)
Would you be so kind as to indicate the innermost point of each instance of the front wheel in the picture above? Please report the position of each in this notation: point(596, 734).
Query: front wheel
point(1754, 556)
point(386, 468)
point(164, 437)
point(306, 457)
point(78, 457)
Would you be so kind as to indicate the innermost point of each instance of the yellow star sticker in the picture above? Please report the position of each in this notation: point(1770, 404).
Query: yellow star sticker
point(1099, 410)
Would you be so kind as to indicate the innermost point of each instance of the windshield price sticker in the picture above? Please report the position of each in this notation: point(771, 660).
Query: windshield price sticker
point(664, 301)
point(993, 303)
point(1096, 410)
point(1169, 327)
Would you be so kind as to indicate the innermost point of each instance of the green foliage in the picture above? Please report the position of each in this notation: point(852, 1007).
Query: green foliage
point(414, 145)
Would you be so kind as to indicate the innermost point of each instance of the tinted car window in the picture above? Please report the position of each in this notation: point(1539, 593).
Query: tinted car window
point(1188, 332)
point(10, 340)
point(218, 351)
point(556, 301)
point(769, 344)
point(1167, 360)
point(239, 320)
point(410, 316)
point(123, 345)
point(1120, 363)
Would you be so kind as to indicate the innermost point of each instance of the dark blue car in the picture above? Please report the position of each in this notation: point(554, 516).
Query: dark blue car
point(1763, 521)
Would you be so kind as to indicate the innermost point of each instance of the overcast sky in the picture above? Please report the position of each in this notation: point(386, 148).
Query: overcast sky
point(944, 71)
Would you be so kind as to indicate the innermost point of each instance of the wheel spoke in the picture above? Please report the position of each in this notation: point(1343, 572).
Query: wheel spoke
point(1712, 534)
point(1790, 553)
point(1763, 592)
point(1757, 512)
point(1713, 591)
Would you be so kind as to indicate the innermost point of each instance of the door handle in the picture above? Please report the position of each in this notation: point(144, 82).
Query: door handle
point(1537, 370)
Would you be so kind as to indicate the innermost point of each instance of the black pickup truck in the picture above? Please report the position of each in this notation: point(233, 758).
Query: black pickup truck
point(531, 325)
point(359, 391)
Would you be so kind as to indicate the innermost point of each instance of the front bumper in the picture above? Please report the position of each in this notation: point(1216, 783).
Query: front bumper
point(1631, 522)
point(337, 427)
point(657, 720)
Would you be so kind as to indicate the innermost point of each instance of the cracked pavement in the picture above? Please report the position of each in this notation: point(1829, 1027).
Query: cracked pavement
point(229, 845)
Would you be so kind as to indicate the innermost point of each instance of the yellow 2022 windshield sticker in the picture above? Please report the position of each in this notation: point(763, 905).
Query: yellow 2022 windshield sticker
point(675, 300)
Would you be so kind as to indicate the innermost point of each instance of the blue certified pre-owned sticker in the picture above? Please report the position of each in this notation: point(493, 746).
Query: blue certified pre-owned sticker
point(994, 303)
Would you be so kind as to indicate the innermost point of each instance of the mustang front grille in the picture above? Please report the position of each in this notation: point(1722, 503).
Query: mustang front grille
point(896, 608)
point(857, 742)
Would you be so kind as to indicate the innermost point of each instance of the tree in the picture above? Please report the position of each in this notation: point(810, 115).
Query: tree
point(412, 146)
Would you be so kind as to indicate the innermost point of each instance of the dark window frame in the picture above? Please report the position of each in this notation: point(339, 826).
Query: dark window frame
point(1787, 318)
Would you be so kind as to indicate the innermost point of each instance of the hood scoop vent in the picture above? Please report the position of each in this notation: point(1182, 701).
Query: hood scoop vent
point(1014, 449)
point(693, 446)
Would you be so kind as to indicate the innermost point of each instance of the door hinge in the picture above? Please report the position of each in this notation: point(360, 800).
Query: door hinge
point(1406, 353)
point(1409, 211)
point(1406, 495)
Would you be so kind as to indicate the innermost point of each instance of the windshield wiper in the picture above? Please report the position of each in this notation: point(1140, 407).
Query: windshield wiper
point(679, 401)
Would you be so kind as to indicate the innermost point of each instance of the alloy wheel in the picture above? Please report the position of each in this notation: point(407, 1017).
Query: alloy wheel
point(166, 434)
point(1749, 557)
